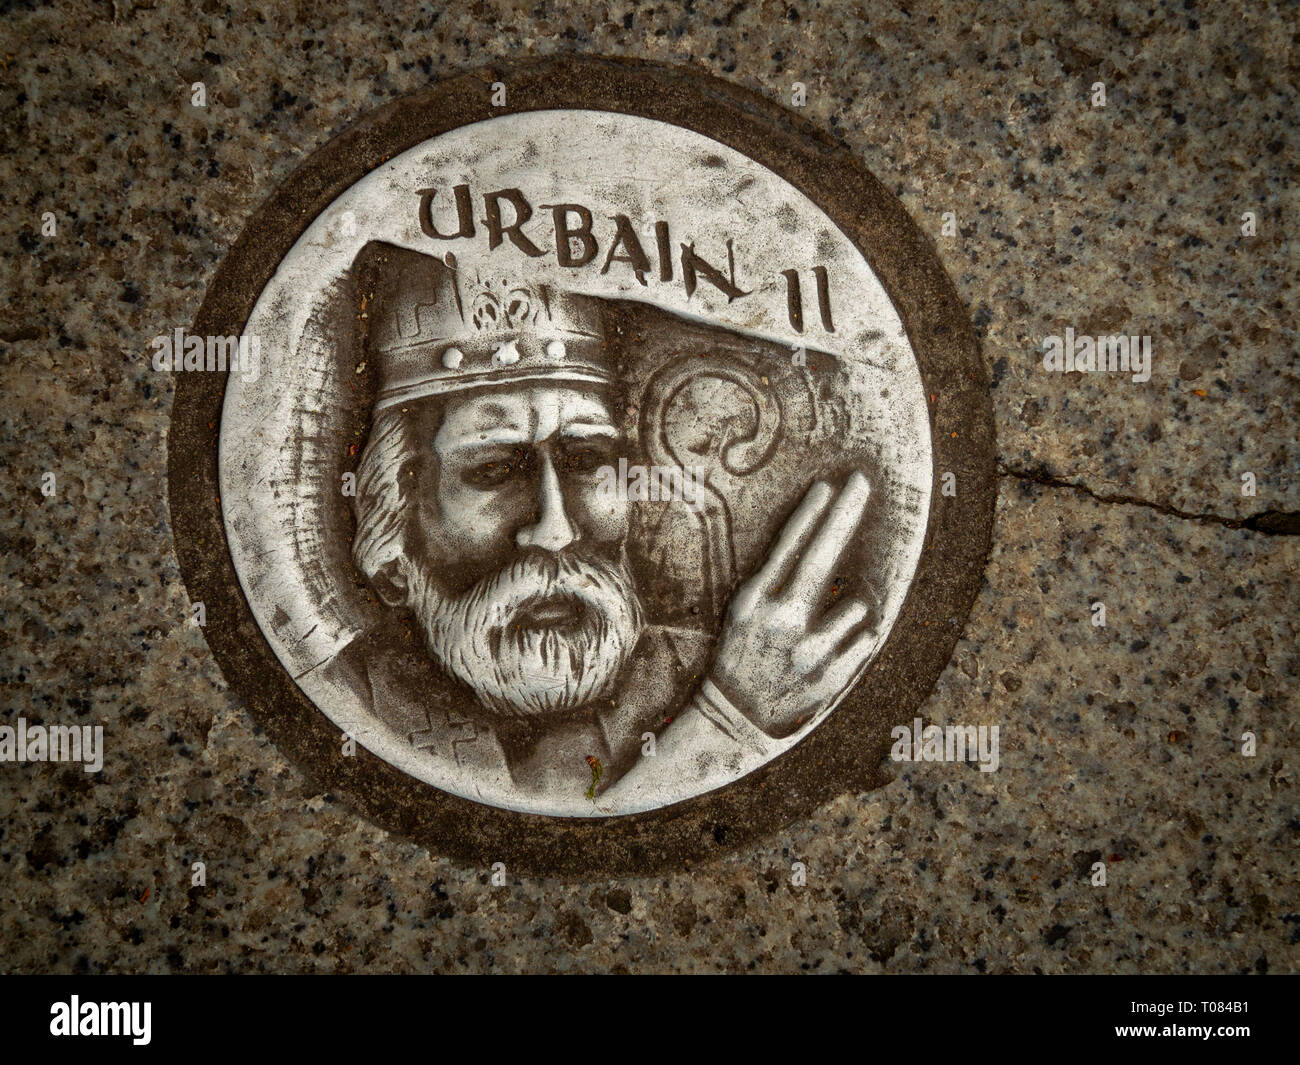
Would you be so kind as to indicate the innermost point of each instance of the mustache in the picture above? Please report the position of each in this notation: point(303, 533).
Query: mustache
point(536, 575)
point(527, 668)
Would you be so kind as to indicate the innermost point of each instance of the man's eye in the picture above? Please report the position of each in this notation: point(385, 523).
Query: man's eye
point(586, 459)
point(488, 474)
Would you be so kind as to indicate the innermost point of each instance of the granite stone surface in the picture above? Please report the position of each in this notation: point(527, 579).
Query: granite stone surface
point(1120, 744)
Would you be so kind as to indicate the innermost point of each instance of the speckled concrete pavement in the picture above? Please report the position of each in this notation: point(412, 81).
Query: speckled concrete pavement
point(1120, 745)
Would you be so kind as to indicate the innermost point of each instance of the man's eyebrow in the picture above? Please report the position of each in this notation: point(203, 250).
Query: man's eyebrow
point(492, 418)
point(509, 437)
point(504, 436)
point(583, 430)
point(492, 412)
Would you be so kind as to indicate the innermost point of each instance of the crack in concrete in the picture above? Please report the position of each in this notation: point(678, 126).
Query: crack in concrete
point(1269, 522)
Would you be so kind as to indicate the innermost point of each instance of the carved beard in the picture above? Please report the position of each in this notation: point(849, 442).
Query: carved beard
point(518, 665)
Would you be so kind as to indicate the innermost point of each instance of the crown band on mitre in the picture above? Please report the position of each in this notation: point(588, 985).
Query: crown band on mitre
point(428, 329)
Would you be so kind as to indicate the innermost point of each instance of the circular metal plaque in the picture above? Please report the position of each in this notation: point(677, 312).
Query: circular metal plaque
point(568, 495)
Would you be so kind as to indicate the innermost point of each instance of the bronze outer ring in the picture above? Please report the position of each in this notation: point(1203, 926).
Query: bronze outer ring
point(846, 752)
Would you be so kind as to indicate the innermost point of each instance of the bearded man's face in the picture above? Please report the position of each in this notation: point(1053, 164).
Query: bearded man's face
point(514, 558)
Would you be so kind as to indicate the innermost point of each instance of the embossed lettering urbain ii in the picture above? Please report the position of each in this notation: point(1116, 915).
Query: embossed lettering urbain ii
point(577, 245)
point(619, 519)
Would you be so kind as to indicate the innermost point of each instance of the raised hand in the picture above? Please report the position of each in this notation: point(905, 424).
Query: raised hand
point(782, 656)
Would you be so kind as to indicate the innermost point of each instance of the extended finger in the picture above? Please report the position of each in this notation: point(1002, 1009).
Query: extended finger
point(850, 662)
point(816, 651)
point(794, 536)
point(841, 621)
point(828, 544)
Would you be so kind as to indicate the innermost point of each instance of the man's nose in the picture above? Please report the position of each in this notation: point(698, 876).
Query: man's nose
point(553, 531)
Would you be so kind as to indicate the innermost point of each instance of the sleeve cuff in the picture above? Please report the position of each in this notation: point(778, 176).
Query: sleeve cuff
point(722, 714)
